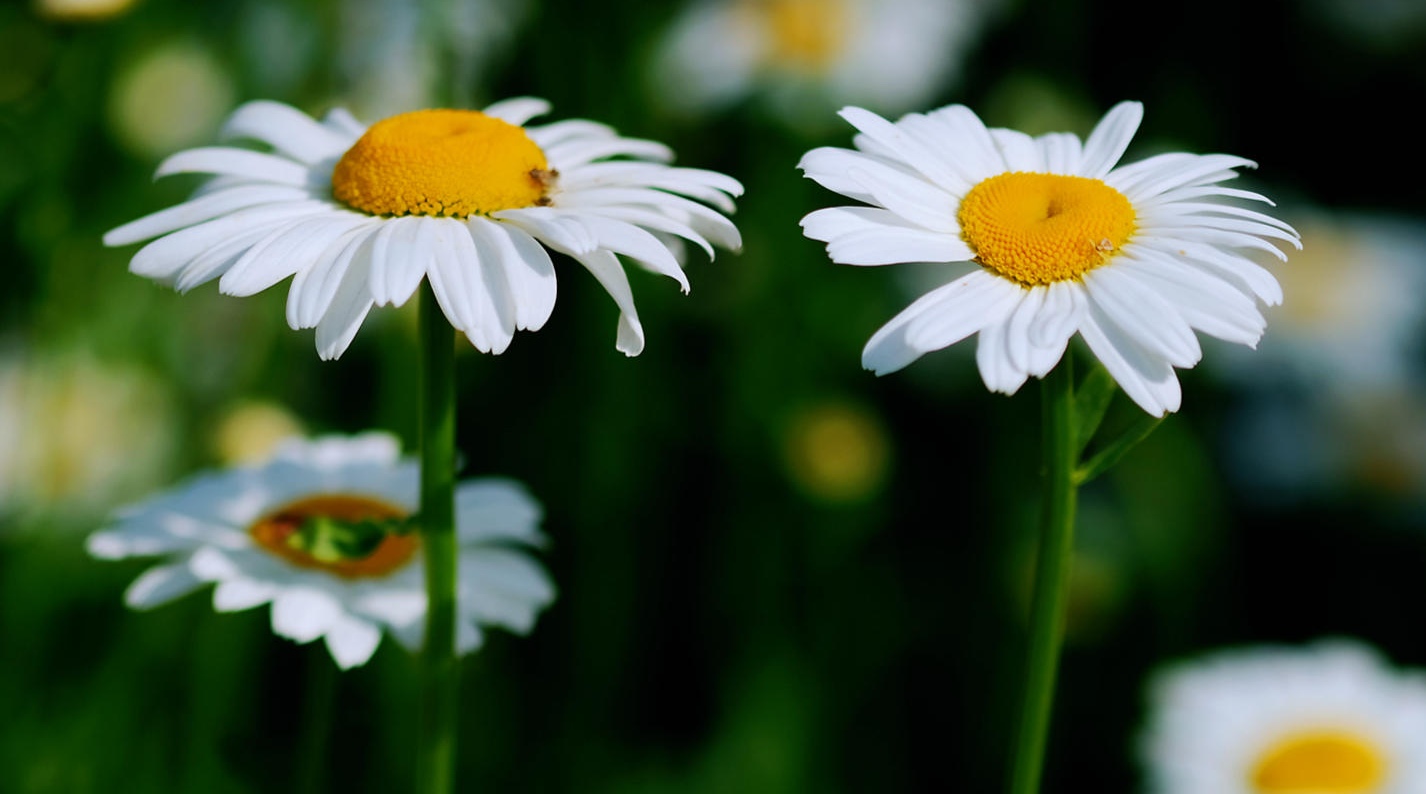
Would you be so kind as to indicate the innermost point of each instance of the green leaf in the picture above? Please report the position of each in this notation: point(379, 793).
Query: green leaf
point(1091, 400)
point(1128, 437)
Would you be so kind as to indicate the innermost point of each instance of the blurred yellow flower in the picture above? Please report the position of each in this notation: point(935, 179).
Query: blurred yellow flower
point(837, 452)
point(249, 431)
point(172, 96)
point(82, 10)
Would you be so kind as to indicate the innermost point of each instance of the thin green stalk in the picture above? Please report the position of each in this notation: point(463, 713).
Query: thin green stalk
point(1047, 616)
point(435, 754)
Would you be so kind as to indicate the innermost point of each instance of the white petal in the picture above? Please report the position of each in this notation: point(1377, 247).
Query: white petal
point(637, 244)
point(1057, 321)
point(352, 641)
point(606, 268)
point(992, 357)
point(562, 233)
point(342, 122)
point(526, 265)
point(163, 258)
point(517, 110)
point(400, 256)
point(498, 510)
point(911, 197)
point(1062, 152)
point(282, 255)
point(1149, 381)
point(158, 586)
point(235, 595)
point(248, 164)
point(304, 613)
point(201, 209)
point(466, 293)
point(286, 129)
point(1110, 138)
point(349, 308)
point(504, 588)
point(1153, 323)
point(575, 152)
point(907, 148)
point(1017, 327)
point(1021, 152)
point(873, 236)
point(314, 287)
point(940, 318)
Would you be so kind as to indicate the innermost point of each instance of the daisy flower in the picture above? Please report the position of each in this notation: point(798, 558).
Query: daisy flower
point(236, 529)
point(1057, 241)
point(892, 54)
point(468, 199)
point(1332, 717)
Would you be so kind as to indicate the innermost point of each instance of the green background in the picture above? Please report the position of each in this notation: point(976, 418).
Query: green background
point(723, 624)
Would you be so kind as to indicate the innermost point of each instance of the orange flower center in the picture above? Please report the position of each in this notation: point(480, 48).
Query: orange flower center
point(452, 163)
point(1042, 228)
point(1320, 762)
point(272, 534)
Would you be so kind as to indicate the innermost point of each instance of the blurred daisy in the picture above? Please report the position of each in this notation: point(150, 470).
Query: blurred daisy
point(807, 55)
point(239, 529)
point(1346, 331)
point(467, 199)
point(1330, 718)
point(1057, 241)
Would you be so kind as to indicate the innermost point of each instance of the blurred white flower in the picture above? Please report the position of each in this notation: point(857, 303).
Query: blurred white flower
point(807, 56)
point(391, 52)
point(1331, 718)
point(241, 528)
point(1353, 317)
point(78, 434)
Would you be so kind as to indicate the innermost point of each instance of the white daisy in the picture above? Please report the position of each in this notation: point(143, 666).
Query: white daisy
point(1332, 718)
point(1058, 241)
point(805, 54)
point(464, 198)
point(234, 528)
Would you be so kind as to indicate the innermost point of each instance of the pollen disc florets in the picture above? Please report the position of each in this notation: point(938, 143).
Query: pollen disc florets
point(273, 531)
point(452, 163)
point(1320, 761)
point(1042, 228)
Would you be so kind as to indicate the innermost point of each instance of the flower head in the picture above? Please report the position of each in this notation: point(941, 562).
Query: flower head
point(240, 529)
point(1058, 240)
point(1326, 719)
point(468, 199)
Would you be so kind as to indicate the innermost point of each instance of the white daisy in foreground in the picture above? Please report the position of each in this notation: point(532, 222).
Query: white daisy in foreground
point(803, 54)
point(1332, 718)
point(237, 529)
point(467, 199)
point(1058, 241)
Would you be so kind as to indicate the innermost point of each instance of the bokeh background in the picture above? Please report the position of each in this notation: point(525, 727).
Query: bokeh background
point(777, 572)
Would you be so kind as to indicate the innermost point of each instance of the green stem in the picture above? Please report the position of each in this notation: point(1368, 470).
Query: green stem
point(1047, 616)
point(435, 754)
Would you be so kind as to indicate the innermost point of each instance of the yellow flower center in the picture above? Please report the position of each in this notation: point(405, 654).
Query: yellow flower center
point(803, 34)
point(272, 532)
point(1042, 228)
point(1320, 762)
point(453, 163)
